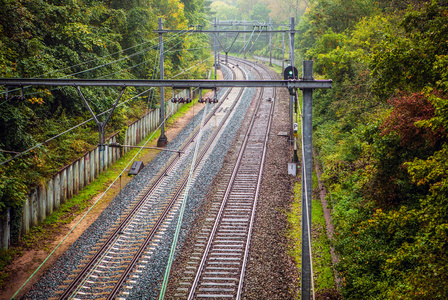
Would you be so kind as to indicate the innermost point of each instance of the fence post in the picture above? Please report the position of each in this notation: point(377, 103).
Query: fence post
point(76, 177)
point(82, 171)
point(5, 229)
point(50, 187)
point(26, 217)
point(57, 191)
point(64, 185)
point(34, 207)
point(70, 181)
point(42, 203)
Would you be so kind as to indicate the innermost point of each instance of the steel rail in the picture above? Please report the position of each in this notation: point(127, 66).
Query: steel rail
point(76, 281)
point(257, 192)
point(224, 202)
point(181, 188)
point(92, 262)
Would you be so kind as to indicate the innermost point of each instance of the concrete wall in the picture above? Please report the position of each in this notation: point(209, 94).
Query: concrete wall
point(277, 62)
point(45, 199)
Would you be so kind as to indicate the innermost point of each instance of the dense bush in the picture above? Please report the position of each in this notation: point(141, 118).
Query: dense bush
point(381, 135)
point(91, 39)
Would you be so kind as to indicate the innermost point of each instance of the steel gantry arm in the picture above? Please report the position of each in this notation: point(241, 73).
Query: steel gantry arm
point(226, 51)
point(201, 83)
point(101, 125)
point(222, 31)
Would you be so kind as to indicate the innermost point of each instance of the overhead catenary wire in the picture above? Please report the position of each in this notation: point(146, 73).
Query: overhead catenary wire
point(100, 66)
point(97, 58)
point(118, 72)
point(124, 58)
point(91, 119)
point(89, 210)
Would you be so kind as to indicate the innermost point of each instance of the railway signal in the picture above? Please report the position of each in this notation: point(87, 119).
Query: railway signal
point(290, 73)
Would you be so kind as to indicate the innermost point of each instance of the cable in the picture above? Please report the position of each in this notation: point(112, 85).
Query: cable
point(97, 67)
point(118, 60)
point(190, 68)
point(307, 213)
point(109, 63)
point(92, 60)
point(82, 218)
point(68, 130)
point(182, 209)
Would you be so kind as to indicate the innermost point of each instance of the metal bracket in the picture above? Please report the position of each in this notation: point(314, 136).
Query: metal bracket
point(101, 125)
point(7, 92)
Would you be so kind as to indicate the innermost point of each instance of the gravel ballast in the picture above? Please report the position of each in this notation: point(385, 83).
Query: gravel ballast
point(271, 272)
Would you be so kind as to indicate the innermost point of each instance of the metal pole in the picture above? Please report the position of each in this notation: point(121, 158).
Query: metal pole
point(270, 44)
point(307, 164)
point(291, 59)
point(283, 52)
point(163, 140)
point(295, 158)
point(291, 48)
point(244, 44)
point(216, 55)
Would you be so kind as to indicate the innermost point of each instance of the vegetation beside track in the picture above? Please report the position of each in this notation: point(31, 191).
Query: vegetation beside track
point(323, 270)
point(41, 237)
point(85, 40)
point(381, 136)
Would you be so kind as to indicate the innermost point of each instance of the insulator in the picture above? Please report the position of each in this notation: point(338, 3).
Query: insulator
point(215, 100)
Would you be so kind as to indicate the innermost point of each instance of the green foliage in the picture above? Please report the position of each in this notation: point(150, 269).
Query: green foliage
point(413, 60)
point(331, 15)
point(224, 11)
point(381, 134)
point(322, 266)
point(91, 39)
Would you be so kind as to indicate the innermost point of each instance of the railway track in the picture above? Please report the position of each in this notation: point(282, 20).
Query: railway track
point(116, 262)
point(120, 260)
point(216, 268)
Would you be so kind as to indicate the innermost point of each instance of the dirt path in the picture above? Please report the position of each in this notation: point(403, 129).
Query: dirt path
point(24, 265)
point(327, 215)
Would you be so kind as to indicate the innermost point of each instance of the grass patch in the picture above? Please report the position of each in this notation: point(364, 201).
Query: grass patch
point(322, 265)
point(294, 222)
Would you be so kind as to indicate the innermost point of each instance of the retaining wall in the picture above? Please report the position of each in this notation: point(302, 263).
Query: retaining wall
point(277, 62)
point(43, 200)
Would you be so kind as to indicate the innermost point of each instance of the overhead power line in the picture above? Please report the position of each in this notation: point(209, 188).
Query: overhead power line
point(103, 65)
point(91, 119)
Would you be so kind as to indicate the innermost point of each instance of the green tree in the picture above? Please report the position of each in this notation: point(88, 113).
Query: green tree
point(412, 61)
